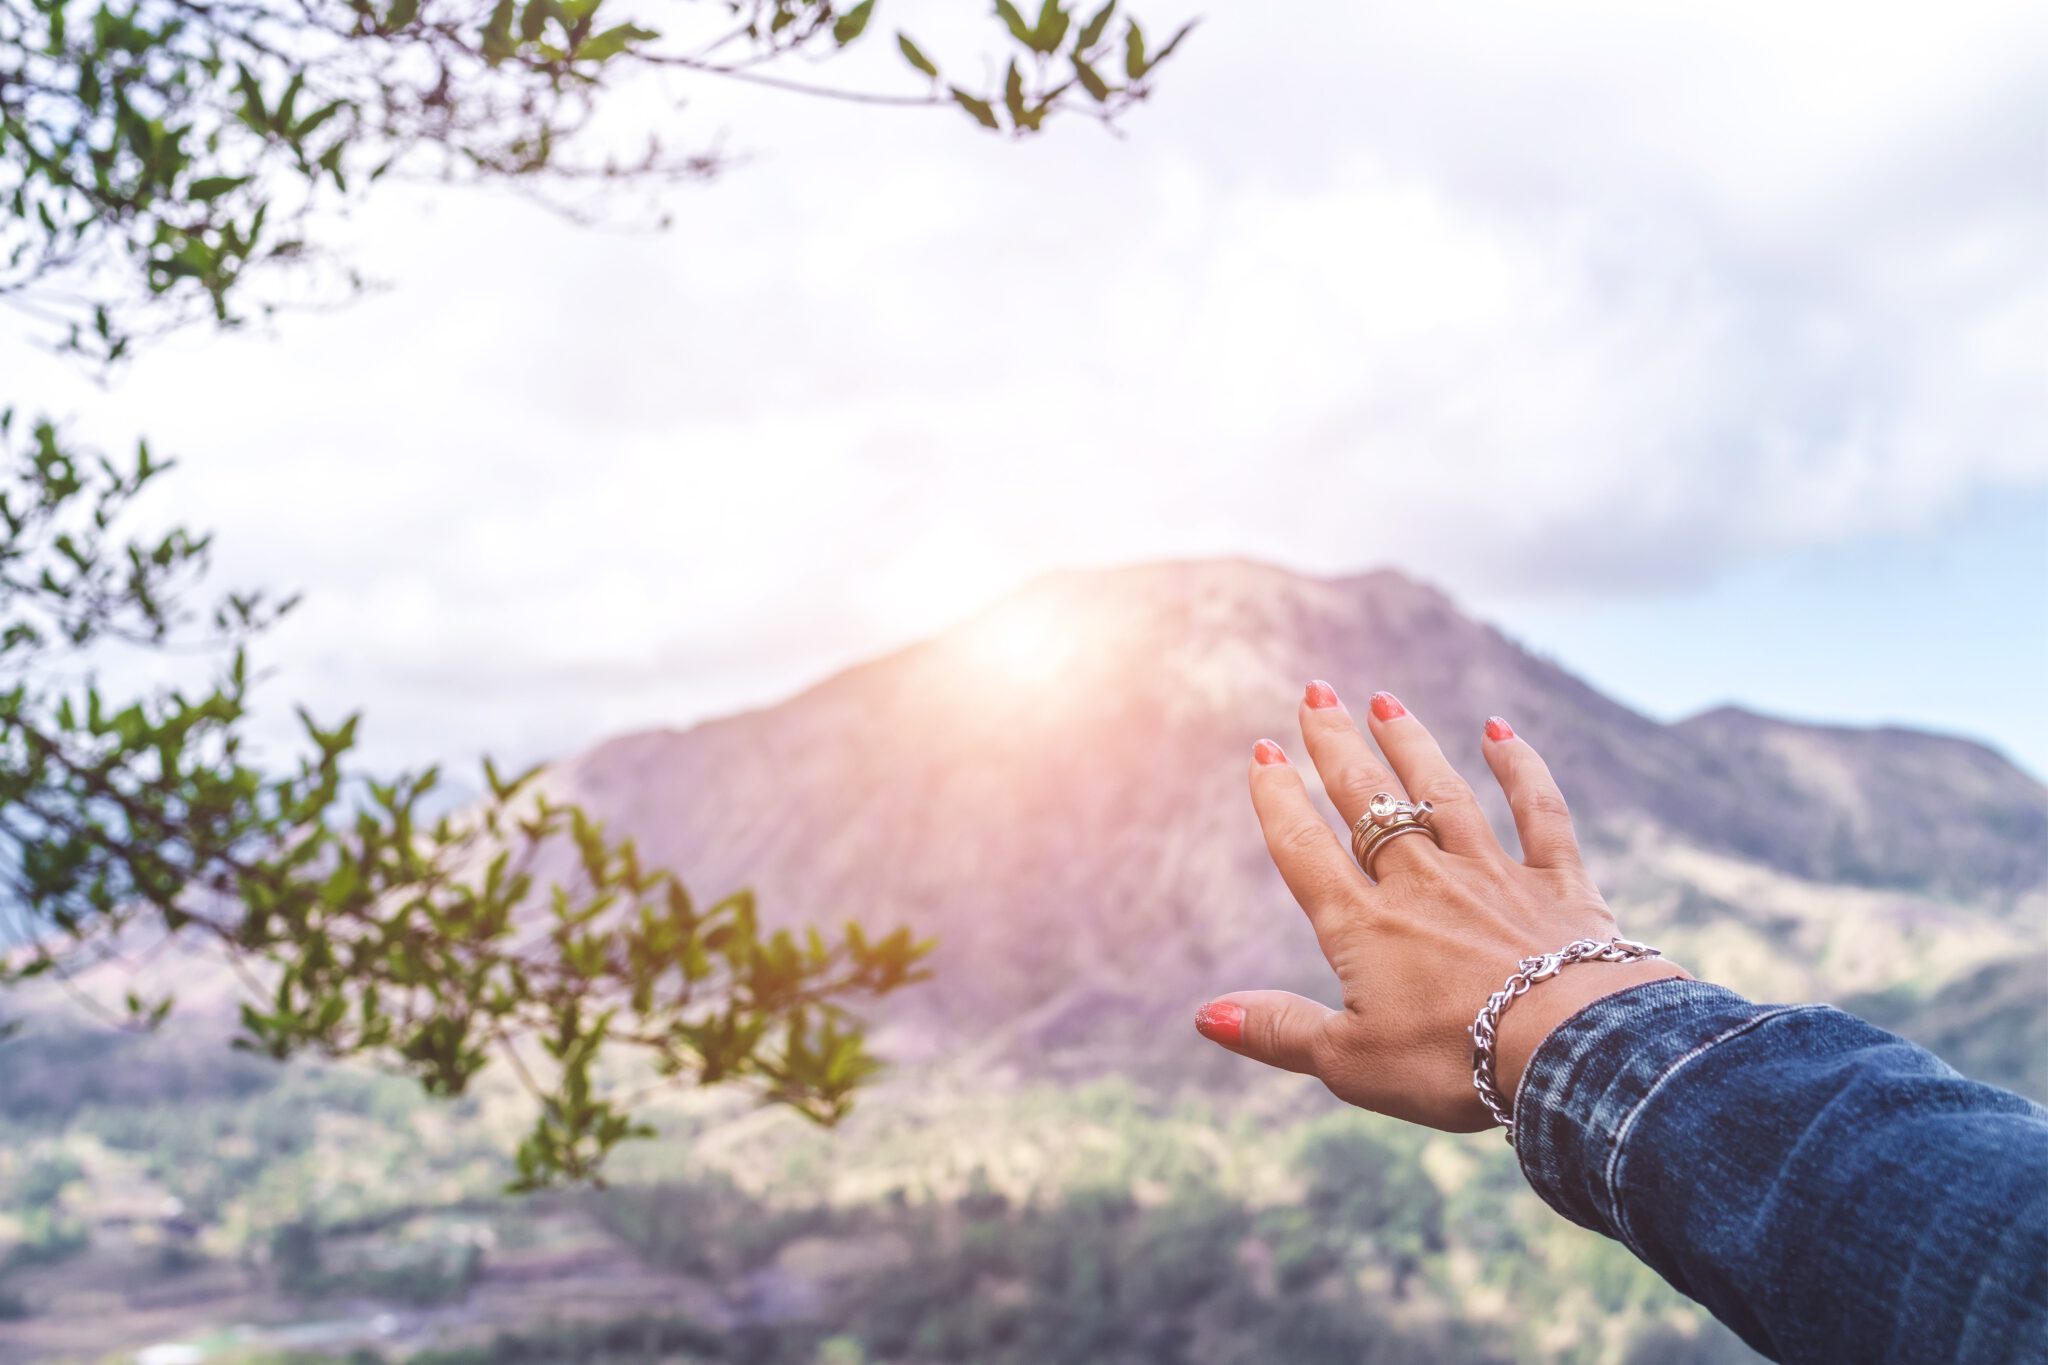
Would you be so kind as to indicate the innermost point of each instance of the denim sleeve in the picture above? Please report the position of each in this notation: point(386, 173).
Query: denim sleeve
point(1829, 1191)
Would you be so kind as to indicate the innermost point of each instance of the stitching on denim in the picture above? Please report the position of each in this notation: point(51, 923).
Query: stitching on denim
point(1618, 1214)
point(1649, 989)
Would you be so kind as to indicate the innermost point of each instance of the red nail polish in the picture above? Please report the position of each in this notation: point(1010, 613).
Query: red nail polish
point(1220, 1021)
point(1266, 751)
point(1320, 695)
point(1496, 728)
point(1387, 706)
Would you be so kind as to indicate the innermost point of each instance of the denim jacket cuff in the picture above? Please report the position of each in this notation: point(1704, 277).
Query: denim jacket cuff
point(1588, 1082)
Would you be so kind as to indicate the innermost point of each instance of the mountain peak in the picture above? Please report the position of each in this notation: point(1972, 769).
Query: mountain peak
point(1055, 786)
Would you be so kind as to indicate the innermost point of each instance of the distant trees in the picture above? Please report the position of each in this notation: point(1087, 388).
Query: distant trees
point(1079, 1275)
point(168, 161)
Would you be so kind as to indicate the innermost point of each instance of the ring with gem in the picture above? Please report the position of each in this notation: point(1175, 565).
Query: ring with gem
point(1387, 817)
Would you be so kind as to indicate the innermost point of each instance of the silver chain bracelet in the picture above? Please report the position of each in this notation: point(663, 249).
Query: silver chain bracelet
point(1533, 970)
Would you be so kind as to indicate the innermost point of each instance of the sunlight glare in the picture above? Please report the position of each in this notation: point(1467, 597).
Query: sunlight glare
point(1027, 644)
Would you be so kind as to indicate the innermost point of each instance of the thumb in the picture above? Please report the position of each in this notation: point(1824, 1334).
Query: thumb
point(1278, 1028)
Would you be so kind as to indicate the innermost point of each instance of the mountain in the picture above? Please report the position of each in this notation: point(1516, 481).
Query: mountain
point(1055, 789)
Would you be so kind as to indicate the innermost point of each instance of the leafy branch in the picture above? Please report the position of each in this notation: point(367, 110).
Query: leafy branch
point(360, 925)
point(154, 154)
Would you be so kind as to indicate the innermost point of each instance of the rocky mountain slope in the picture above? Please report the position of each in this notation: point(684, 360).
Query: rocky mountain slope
point(1055, 789)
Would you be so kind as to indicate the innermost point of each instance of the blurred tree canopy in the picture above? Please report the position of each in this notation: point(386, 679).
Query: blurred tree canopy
point(159, 158)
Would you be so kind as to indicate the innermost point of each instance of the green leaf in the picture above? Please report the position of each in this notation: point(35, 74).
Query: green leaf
point(1172, 43)
point(534, 19)
point(1019, 30)
point(289, 100)
point(915, 57)
point(252, 111)
point(497, 43)
point(1051, 29)
point(1135, 65)
point(850, 24)
point(1092, 31)
point(312, 121)
point(983, 113)
point(1013, 93)
point(1090, 81)
point(214, 186)
point(612, 42)
point(402, 13)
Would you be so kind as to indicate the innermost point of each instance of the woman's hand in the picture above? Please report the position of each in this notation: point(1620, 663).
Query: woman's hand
point(1418, 954)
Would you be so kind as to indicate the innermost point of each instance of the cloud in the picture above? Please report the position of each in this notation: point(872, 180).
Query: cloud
point(1587, 298)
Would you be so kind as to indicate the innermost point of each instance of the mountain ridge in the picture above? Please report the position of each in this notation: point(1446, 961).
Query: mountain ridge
point(1054, 789)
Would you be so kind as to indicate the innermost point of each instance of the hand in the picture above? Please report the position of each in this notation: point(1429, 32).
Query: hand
point(1418, 954)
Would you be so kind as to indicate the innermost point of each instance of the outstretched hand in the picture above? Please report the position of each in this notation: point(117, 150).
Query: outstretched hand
point(1418, 953)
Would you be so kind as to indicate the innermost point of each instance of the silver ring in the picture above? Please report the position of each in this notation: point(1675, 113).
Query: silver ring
point(1385, 808)
point(1384, 811)
point(1388, 817)
point(1386, 835)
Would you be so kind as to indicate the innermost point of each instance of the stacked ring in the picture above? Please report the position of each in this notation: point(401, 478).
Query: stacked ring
point(1386, 819)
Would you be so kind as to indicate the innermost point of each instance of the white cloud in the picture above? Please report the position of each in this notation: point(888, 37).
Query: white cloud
point(1580, 295)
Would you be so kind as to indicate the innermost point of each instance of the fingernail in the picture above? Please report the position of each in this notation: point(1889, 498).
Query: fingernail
point(1320, 695)
point(1266, 751)
point(1387, 706)
point(1220, 1021)
point(1496, 728)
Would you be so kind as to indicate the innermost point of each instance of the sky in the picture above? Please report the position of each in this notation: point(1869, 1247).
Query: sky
point(1703, 348)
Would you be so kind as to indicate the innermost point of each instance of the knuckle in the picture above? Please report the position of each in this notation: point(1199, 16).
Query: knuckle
point(1305, 835)
point(1271, 1034)
point(1548, 802)
point(1424, 873)
point(1360, 782)
point(1429, 880)
point(1326, 1051)
point(1450, 792)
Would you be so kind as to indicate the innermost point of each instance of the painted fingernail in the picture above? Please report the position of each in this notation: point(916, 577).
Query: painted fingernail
point(1266, 751)
point(1320, 695)
point(1387, 706)
point(1496, 728)
point(1220, 1021)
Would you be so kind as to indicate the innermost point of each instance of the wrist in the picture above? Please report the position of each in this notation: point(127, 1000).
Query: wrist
point(1525, 1024)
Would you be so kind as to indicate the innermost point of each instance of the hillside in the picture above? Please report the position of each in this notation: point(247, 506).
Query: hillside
point(1055, 790)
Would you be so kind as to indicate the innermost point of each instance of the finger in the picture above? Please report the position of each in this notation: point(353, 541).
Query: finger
point(1459, 823)
point(1314, 863)
point(1351, 769)
point(1542, 820)
point(1278, 1028)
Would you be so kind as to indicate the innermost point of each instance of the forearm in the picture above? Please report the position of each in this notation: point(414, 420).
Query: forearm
point(1827, 1190)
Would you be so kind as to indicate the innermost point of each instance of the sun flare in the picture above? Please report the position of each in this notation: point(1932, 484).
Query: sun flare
point(1028, 644)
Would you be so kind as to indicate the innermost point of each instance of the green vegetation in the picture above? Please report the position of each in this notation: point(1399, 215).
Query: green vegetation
point(360, 924)
point(1101, 1223)
point(158, 160)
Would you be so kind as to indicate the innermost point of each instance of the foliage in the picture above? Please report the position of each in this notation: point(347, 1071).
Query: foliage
point(42, 1184)
point(706, 1226)
point(360, 925)
point(154, 153)
point(1356, 1179)
point(1071, 1278)
point(47, 1237)
point(417, 1274)
point(1107, 1224)
point(295, 1256)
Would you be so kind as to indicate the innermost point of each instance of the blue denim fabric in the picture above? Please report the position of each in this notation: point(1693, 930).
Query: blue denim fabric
point(1830, 1191)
